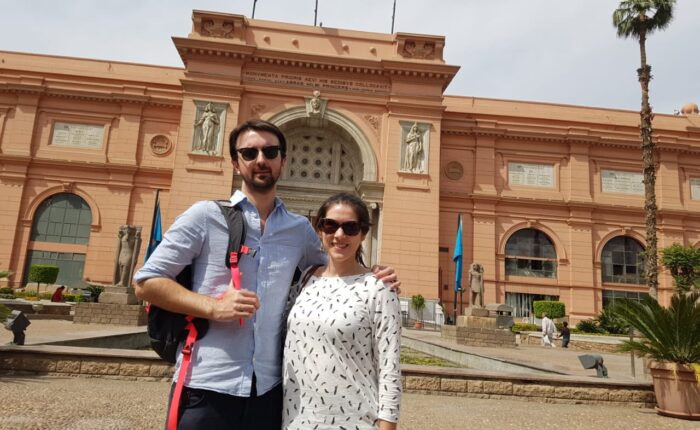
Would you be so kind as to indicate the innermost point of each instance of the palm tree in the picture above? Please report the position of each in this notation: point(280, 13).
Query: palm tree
point(638, 19)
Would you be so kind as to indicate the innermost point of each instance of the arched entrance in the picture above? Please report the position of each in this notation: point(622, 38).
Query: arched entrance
point(326, 157)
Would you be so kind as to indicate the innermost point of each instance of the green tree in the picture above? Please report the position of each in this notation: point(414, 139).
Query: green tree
point(684, 264)
point(638, 19)
point(42, 274)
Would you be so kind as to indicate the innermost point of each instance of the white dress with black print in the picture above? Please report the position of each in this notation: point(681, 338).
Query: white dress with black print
point(341, 354)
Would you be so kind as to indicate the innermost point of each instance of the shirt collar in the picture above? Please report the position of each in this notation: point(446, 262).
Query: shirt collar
point(239, 197)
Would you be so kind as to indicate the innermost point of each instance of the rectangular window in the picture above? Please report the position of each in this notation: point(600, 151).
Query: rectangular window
point(522, 303)
point(531, 267)
point(695, 188)
point(70, 266)
point(609, 296)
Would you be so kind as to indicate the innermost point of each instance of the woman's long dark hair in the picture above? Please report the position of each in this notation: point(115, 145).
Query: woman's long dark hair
point(357, 205)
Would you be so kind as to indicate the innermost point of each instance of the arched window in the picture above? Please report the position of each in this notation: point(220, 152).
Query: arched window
point(62, 218)
point(622, 262)
point(530, 252)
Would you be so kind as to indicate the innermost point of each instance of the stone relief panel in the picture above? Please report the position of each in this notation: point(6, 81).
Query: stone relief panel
point(217, 28)
point(417, 47)
point(315, 108)
point(373, 120)
point(209, 124)
point(161, 145)
point(415, 147)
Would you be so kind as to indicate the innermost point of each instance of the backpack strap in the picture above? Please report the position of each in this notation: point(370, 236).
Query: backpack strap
point(235, 223)
point(236, 236)
point(185, 367)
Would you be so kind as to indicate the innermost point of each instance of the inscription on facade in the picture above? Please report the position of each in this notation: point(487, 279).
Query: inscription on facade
point(616, 181)
point(531, 174)
point(695, 188)
point(77, 135)
point(332, 84)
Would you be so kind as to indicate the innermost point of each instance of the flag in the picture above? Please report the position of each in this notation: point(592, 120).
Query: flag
point(156, 231)
point(457, 256)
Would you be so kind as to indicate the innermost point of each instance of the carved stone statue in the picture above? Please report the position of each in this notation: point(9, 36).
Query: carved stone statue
point(208, 122)
point(414, 150)
point(315, 102)
point(476, 285)
point(127, 253)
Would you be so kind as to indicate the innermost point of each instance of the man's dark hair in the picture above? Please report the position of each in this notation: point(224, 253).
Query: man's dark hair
point(257, 125)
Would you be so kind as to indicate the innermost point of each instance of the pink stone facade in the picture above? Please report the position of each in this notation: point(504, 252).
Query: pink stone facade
point(504, 165)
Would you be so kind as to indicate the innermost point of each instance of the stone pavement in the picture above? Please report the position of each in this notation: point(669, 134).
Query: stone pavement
point(44, 402)
point(559, 359)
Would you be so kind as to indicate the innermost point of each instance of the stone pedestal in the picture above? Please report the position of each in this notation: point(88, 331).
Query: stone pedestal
point(481, 327)
point(110, 313)
point(118, 295)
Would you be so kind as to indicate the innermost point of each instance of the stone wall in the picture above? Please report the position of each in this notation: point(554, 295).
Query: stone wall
point(478, 336)
point(110, 313)
point(146, 365)
point(550, 389)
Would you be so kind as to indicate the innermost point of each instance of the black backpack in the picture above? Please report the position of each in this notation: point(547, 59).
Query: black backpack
point(166, 329)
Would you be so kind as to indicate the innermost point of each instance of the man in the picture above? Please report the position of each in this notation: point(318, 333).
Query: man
point(235, 380)
point(548, 331)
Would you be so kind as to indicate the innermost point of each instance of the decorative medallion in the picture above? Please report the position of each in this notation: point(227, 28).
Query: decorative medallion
point(454, 170)
point(161, 145)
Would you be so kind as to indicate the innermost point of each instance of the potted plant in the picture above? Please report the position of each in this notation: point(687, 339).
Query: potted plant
point(418, 304)
point(671, 340)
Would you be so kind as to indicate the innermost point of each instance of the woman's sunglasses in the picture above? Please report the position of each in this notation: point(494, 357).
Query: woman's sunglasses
point(250, 154)
point(330, 226)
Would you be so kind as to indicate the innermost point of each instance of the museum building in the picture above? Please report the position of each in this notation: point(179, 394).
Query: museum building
point(551, 196)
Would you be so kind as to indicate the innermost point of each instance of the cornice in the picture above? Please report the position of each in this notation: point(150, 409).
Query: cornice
point(227, 49)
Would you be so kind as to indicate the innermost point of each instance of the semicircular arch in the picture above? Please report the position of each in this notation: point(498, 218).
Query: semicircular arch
point(558, 245)
point(613, 234)
point(342, 120)
point(36, 202)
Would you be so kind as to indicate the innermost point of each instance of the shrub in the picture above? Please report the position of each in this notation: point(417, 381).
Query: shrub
point(551, 308)
point(588, 326)
point(518, 327)
point(42, 274)
point(4, 313)
point(95, 291)
point(7, 296)
point(77, 298)
point(29, 294)
point(610, 322)
point(7, 290)
point(45, 296)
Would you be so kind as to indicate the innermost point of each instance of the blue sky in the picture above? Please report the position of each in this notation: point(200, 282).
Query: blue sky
point(558, 51)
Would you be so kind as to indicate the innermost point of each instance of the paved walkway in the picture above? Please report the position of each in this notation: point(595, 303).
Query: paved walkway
point(85, 404)
point(46, 330)
point(559, 359)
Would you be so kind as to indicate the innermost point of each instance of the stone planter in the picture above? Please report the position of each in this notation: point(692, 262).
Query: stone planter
point(677, 390)
point(38, 307)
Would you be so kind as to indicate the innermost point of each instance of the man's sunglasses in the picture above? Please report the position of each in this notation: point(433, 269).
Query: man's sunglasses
point(250, 154)
point(330, 226)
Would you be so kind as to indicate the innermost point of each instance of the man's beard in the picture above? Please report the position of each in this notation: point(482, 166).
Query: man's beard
point(261, 186)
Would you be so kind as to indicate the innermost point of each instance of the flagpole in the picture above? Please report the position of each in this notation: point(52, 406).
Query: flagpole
point(155, 210)
point(393, 15)
point(253, 15)
point(315, 13)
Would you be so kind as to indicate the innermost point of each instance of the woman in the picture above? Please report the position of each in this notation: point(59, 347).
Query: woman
point(341, 354)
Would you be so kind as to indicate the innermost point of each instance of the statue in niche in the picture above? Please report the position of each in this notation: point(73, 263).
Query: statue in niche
point(127, 252)
point(209, 123)
point(414, 150)
point(315, 102)
point(476, 285)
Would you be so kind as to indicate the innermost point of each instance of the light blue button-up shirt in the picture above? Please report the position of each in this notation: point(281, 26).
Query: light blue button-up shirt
point(225, 359)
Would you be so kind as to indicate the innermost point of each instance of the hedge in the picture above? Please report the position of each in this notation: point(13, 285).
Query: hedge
point(551, 308)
